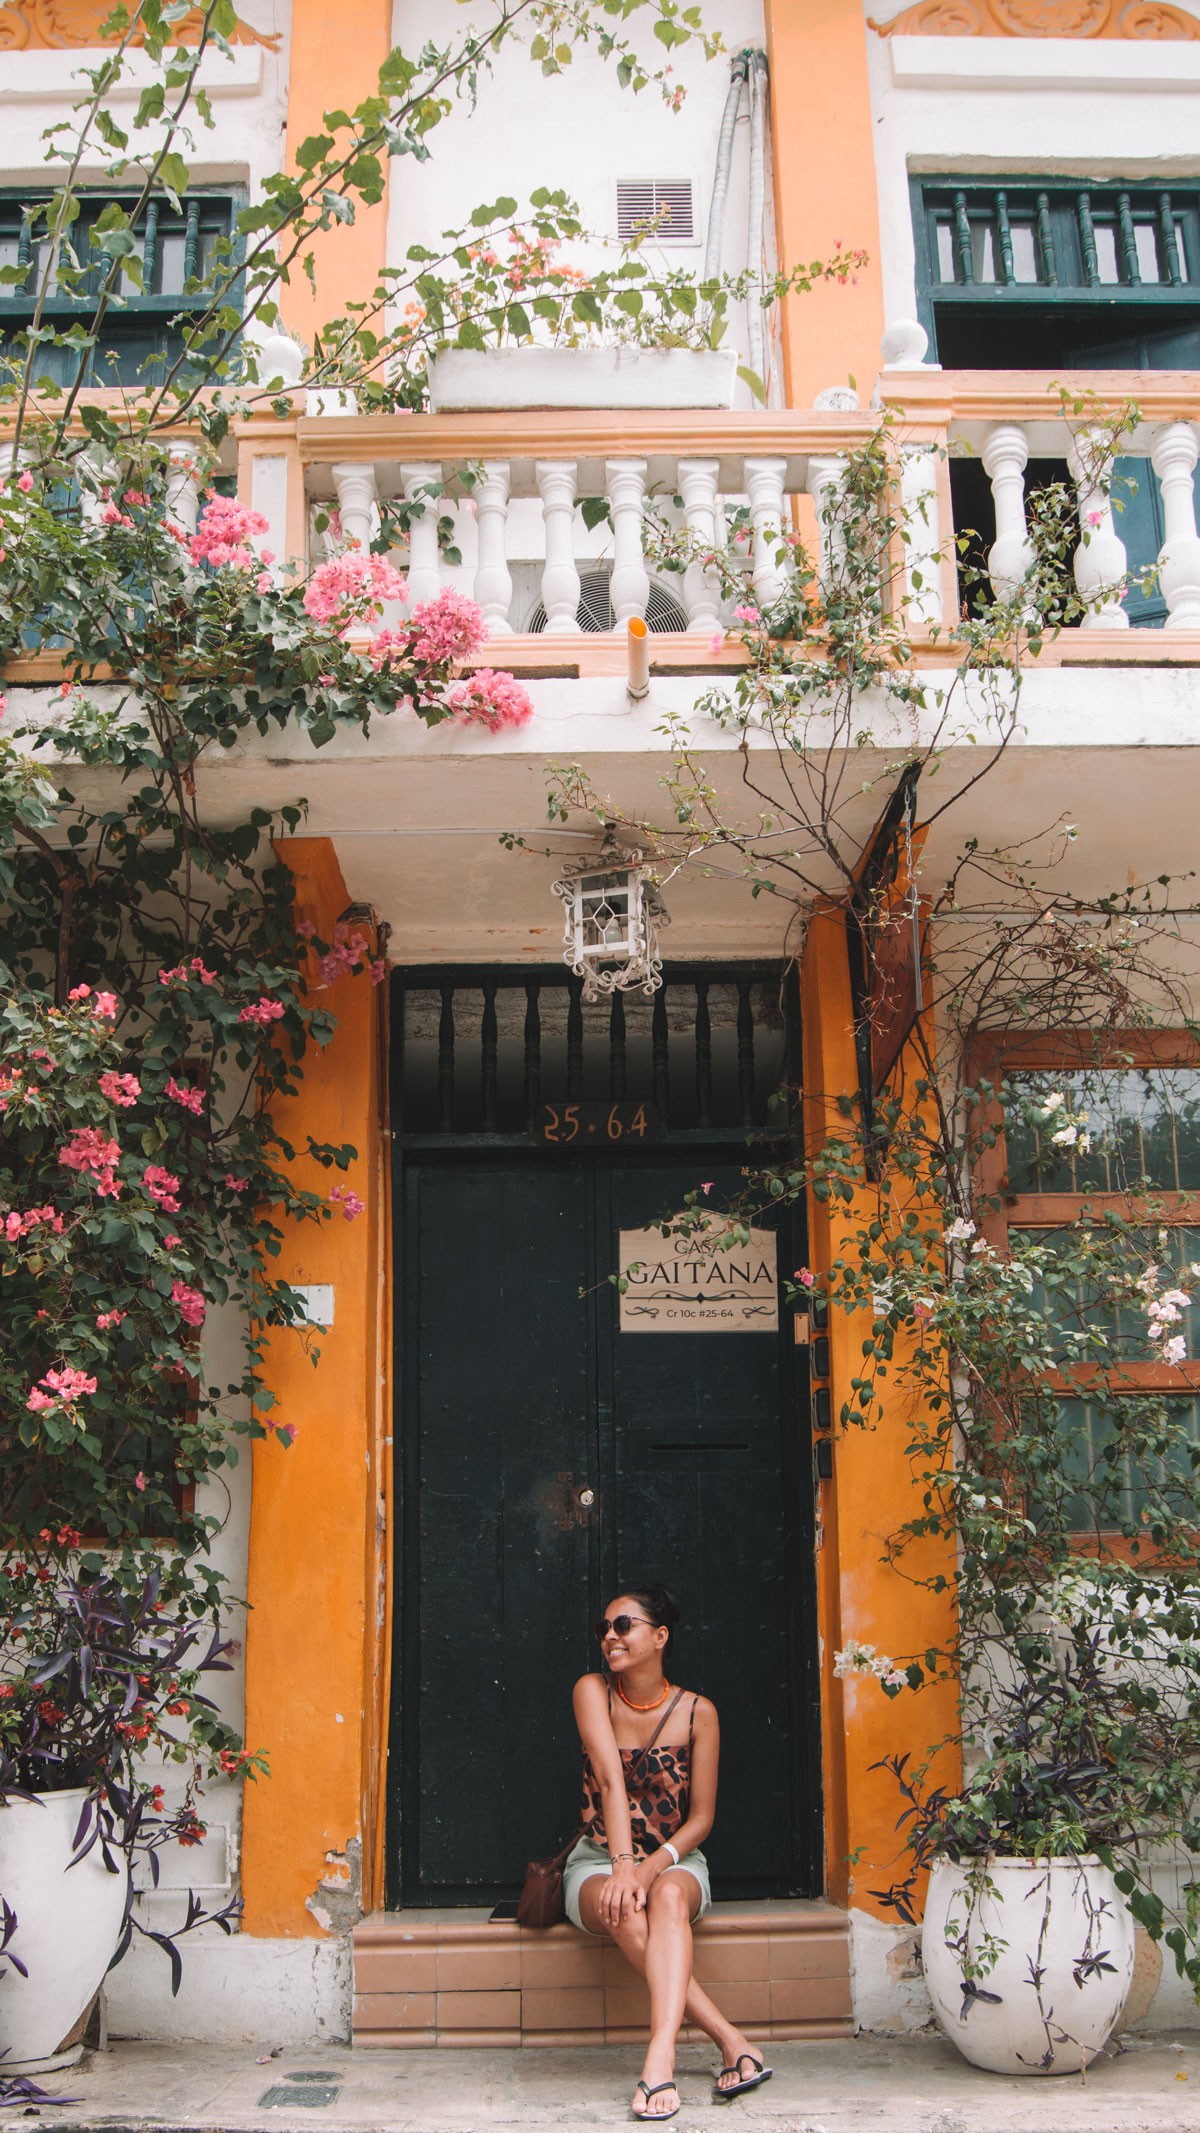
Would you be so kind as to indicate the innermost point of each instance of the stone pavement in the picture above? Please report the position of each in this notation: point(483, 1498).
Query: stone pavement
point(868, 2084)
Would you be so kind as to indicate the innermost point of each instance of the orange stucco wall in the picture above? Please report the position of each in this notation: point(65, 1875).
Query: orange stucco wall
point(316, 1660)
point(824, 162)
point(337, 49)
point(871, 1493)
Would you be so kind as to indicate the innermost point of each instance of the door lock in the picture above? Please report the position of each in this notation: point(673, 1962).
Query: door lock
point(587, 1498)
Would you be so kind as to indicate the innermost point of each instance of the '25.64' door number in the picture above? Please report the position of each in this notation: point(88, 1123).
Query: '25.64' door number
point(589, 1125)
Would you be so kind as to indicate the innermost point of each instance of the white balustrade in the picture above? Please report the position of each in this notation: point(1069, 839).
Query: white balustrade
point(1100, 560)
point(825, 480)
point(629, 588)
point(1173, 454)
point(183, 485)
point(493, 579)
point(424, 570)
point(922, 536)
point(1011, 556)
point(764, 486)
point(698, 480)
point(560, 576)
point(354, 480)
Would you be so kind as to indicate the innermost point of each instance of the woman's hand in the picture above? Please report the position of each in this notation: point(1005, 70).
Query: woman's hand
point(623, 1893)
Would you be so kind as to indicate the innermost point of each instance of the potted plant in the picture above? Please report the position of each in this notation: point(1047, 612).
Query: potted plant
point(100, 1690)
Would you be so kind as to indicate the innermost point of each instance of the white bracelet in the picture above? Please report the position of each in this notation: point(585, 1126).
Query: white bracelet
point(674, 1854)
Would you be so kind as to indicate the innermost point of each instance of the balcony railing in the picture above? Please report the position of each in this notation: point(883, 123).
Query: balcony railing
point(513, 485)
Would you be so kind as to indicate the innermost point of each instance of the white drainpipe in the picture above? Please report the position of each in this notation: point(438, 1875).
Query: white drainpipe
point(755, 315)
point(739, 67)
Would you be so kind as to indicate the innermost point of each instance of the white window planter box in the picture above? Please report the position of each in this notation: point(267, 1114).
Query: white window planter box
point(462, 379)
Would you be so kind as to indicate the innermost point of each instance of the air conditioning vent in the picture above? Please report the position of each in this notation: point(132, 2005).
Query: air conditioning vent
point(654, 204)
point(595, 611)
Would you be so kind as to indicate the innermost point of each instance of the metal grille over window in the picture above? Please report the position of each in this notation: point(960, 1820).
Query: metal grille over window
point(657, 207)
point(713, 1054)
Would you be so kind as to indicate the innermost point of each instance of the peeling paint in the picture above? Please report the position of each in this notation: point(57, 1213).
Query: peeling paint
point(336, 1902)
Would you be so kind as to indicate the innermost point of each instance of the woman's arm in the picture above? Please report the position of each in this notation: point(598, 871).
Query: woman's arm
point(622, 1893)
point(702, 1795)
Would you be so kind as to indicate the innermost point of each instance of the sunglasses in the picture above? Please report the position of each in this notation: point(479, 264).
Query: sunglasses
point(620, 1626)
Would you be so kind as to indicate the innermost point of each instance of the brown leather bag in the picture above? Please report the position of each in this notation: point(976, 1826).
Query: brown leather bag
point(540, 1903)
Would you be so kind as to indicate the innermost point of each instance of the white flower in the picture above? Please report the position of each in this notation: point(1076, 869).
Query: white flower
point(1085, 1144)
point(1164, 1313)
point(1178, 1297)
point(959, 1231)
point(1066, 1137)
point(1175, 1349)
point(1053, 1103)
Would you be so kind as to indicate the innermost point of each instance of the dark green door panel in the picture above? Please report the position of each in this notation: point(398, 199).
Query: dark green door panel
point(519, 1394)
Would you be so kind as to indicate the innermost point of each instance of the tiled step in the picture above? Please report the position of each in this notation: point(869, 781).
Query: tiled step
point(779, 1970)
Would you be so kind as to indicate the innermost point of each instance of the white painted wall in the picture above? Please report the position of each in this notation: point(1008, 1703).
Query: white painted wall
point(248, 93)
point(579, 132)
point(976, 104)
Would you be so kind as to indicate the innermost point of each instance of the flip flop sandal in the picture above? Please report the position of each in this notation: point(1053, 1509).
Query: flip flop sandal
point(656, 2118)
point(761, 2073)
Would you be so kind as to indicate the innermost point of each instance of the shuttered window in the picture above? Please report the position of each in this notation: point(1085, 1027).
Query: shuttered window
point(659, 206)
point(177, 249)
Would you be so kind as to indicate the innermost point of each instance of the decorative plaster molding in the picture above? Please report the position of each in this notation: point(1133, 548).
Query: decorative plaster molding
point(1151, 21)
point(52, 25)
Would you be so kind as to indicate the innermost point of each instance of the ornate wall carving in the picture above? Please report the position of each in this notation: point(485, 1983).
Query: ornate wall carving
point(1151, 20)
point(58, 25)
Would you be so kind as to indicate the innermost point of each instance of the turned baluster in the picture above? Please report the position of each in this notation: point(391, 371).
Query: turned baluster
point(560, 577)
point(698, 480)
point(1100, 561)
point(764, 487)
point(355, 485)
point(1010, 557)
point(424, 571)
point(493, 581)
point(625, 485)
point(922, 538)
point(183, 485)
point(1173, 455)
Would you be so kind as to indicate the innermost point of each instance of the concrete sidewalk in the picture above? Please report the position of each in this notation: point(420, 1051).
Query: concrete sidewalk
point(902, 2085)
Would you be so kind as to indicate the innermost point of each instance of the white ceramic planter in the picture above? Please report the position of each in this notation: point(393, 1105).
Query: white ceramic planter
point(478, 379)
point(1061, 1976)
point(68, 1924)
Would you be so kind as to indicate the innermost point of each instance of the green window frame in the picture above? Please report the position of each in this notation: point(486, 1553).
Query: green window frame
point(176, 244)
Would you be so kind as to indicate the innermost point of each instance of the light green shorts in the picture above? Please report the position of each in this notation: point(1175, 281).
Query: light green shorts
point(588, 1858)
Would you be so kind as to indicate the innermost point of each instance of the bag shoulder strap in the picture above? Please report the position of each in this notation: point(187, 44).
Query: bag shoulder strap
point(661, 1723)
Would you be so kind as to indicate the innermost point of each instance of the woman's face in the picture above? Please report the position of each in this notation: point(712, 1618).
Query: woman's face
point(642, 1640)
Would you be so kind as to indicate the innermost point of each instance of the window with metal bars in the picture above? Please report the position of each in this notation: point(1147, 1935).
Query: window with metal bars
point(177, 250)
point(712, 1054)
point(658, 206)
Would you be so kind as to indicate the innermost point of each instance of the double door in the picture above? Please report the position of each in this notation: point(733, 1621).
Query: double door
point(547, 1459)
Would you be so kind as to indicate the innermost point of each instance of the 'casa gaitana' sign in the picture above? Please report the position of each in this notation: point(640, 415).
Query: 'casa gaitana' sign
point(698, 1284)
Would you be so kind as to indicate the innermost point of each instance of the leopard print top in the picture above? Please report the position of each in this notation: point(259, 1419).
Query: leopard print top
point(657, 1782)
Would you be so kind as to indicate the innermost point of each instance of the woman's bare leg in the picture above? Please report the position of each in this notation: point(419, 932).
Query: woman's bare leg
point(632, 1938)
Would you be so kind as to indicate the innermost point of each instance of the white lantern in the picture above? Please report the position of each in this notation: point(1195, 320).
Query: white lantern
point(613, 917)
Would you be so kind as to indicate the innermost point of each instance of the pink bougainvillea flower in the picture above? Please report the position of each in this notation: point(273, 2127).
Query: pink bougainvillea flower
point(224, 532)
point(87, 1150)
point(25, 483)
point(19, 1225)
point(716, 642)
point(350, 950)
point(79, 992)
point(287, 1433)
point(106, 1006)
point(491, 699)
point(106, 1320)
point(191, 1099)
point(264, 1010)
point(805, 1276)
point(139, 1482)
point(61, 1387)
point(162, 1186)
point(449, 628)
point(749, 615)
point(172, 1240)
point(123, 1089)
point(352, 587)
point(707, 1187)
point(235, 1184)
point(348, 1201)
point(109, 515)
point(190, 1301)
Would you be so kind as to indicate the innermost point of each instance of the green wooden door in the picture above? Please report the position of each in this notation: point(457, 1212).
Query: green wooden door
point(547, 1458)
